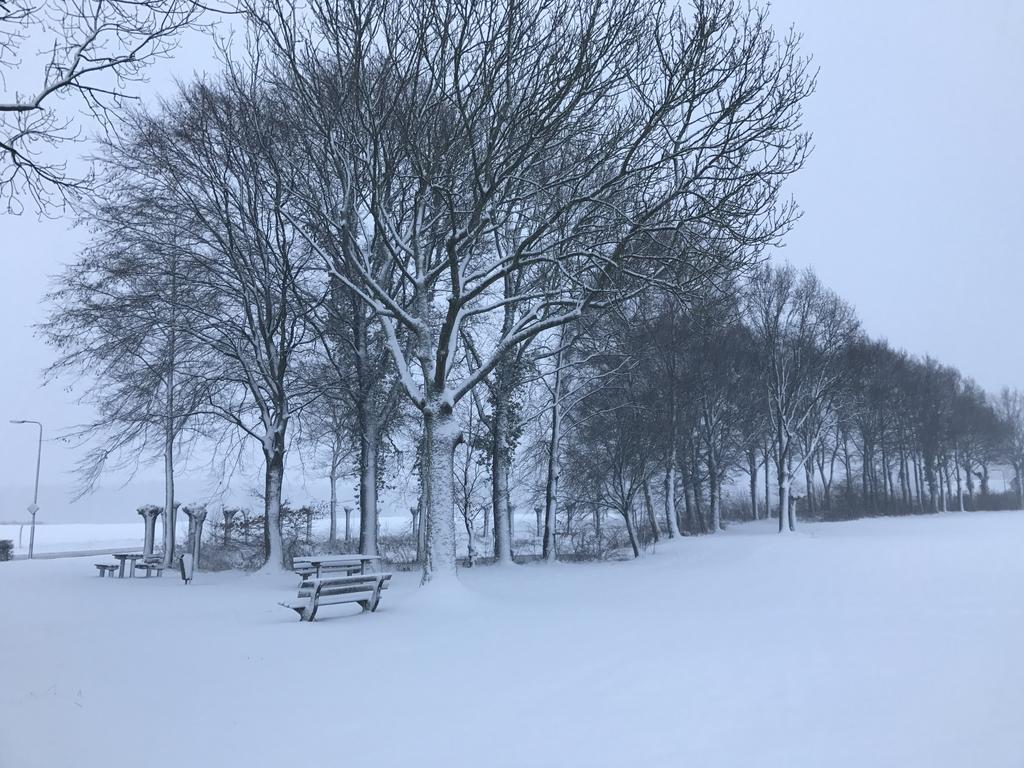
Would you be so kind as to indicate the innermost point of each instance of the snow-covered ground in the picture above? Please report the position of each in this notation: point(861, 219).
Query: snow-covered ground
point(887, 642)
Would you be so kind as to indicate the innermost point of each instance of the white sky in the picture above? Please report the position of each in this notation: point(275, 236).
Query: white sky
point(911, 199)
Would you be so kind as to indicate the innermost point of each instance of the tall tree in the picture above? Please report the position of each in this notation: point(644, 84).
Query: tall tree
point(116, 320)
point(801, 331)
point(208, 163)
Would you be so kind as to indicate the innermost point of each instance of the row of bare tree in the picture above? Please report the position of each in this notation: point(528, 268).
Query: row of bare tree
point(772, 380)
point(383, 216)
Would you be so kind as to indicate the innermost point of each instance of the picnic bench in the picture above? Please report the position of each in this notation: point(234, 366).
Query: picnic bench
point(105, 569)
point(317, 565)
point(121, 557)
point(362, 588)
point(152, 566)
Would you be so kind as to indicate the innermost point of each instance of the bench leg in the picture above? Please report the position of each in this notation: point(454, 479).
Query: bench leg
point(373, 600)
point(314, 602)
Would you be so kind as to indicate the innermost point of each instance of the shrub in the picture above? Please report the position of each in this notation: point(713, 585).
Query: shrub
point(6, 549)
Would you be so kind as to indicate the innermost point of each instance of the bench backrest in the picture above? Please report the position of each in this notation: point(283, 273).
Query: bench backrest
point(344, 586)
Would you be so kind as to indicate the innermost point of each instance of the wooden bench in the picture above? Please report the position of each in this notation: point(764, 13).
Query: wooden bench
point(150, 567)
point(105, 569)
point(359, 588)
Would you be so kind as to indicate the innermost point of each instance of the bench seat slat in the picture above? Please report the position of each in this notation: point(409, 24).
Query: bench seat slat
point(335, 590)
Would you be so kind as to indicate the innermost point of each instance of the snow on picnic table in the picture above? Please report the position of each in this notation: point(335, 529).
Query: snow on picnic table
point(886, 642)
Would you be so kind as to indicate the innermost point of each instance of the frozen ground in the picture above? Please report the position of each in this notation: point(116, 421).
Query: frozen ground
point(890, 642)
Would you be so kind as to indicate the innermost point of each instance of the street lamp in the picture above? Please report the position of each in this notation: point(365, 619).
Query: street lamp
point(35, 496)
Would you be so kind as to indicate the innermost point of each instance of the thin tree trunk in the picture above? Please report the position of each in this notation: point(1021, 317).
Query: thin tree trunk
point(554, 442)
point(752, 471)
point(783, 484)
point(713, 500)
point(333, 477)
point(671, 516)
point(651, 518)
point(170, 512)
point(809, 480)
point(631, 530)
point(499, 479)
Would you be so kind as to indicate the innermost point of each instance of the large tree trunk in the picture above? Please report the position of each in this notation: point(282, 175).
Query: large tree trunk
point(273, 544)
point(368, 450)
point(438, 483)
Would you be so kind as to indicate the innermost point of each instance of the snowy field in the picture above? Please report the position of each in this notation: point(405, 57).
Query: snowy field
point(889, 642)
point(74, 537)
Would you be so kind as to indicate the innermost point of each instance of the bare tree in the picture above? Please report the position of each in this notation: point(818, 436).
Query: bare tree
point(614, 126)
point(208, 161)
point(801, 330)
point(115, 319)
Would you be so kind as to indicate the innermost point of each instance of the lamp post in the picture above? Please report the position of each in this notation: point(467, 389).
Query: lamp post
point(35, 496)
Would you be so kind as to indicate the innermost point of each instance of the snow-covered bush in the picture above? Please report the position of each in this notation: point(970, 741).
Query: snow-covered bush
point(6, 549)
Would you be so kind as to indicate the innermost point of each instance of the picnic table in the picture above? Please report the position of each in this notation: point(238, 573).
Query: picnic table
point(315, 564)
point(121, 557)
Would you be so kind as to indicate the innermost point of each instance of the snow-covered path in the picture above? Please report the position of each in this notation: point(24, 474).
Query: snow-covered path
point(890, 642)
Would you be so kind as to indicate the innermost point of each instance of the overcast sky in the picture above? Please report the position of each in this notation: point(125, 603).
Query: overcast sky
point(911, 203)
